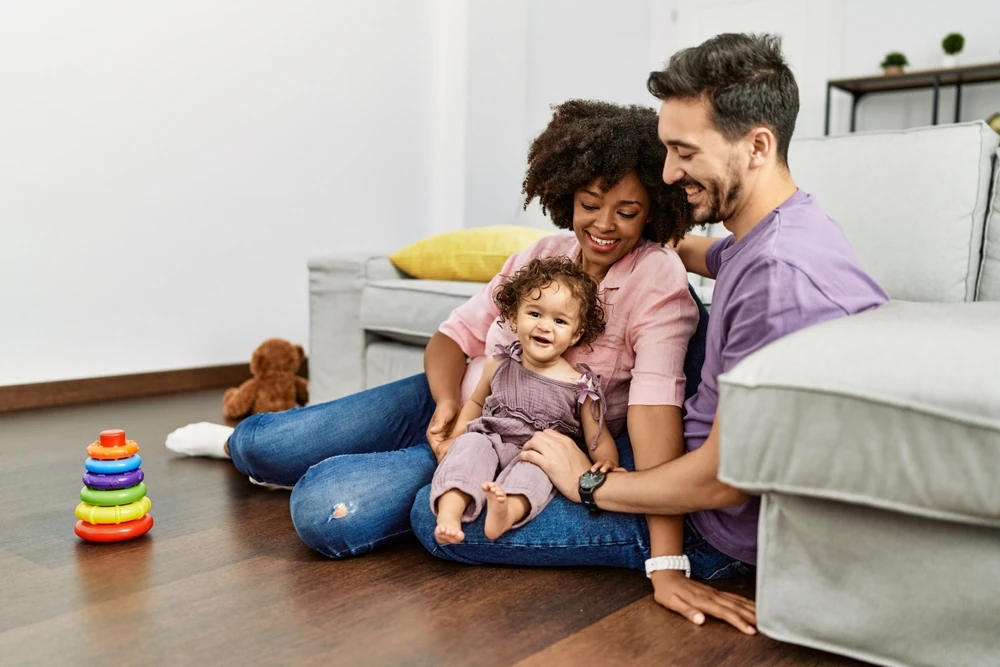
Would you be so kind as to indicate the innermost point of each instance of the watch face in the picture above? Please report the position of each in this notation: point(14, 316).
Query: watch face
point(590, 479)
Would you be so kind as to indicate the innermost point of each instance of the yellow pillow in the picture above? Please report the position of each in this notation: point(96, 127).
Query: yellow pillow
point(473, 255)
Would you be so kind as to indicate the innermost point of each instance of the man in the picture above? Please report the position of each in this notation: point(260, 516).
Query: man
point(728, 110)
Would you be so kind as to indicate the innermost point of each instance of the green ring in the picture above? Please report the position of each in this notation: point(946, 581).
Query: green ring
point(115, 497)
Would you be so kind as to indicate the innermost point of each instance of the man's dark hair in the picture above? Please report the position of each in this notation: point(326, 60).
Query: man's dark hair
point(746, 80)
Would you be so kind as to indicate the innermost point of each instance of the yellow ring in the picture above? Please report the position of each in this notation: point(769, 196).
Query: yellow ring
point(115, 513)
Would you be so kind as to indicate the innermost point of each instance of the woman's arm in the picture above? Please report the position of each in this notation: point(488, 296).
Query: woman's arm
point(657, 435)
point(444, 365)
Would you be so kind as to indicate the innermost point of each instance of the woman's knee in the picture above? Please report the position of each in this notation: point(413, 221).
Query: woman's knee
point(423, 521)
point(249, 454)
point(343, 507)
point(321, 523)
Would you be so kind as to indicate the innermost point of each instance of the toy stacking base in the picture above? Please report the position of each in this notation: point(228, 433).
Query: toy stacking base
point(110, 532)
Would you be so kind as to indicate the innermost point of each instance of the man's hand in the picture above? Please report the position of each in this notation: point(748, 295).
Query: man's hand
point(559, 457)
point(442, 423)
point(605, 466)
point(694, 600)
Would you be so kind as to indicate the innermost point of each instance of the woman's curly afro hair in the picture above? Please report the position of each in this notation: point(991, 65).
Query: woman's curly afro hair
point(587, 140)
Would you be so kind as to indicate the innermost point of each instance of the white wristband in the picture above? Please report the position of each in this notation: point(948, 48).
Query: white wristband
point(668, 563)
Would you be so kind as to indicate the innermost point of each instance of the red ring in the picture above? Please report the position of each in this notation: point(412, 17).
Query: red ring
point(109, 532)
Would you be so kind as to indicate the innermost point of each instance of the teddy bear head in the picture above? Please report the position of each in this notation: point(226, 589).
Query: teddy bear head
point(276, 356)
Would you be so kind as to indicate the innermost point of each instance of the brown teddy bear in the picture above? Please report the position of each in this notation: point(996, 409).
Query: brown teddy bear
point(274, 386)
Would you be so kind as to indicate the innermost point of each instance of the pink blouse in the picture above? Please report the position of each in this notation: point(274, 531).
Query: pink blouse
point(650, 318)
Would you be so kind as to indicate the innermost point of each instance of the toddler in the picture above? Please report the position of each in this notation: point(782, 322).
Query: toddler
point(550, 305)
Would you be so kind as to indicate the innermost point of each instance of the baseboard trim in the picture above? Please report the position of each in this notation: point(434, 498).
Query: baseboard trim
point(139, 385)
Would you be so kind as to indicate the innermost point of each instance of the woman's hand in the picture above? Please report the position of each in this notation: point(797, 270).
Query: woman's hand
point(694, 600)
point(559, 458)
point(440, 428)
point(605, 465)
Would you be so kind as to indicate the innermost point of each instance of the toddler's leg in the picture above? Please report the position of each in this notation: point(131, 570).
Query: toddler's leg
point(521, 491)
point(456, 492)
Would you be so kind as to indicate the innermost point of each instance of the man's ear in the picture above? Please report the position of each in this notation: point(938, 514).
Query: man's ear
point(763, 145)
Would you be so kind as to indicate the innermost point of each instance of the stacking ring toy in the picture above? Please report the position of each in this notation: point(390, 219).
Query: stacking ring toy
point(116, 497)
point(114, 481)
point(112, 445)
point(117, 514)
point(110, 467)
point(109, 532)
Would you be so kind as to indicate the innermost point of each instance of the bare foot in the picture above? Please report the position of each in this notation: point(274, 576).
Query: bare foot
point(448, 531)
point(499, 517)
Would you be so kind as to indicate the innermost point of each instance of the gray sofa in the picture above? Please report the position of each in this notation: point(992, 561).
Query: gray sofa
point(873, 440)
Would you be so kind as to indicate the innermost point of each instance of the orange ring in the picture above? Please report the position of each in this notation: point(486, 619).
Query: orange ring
point(110, 532)
point(98, 451)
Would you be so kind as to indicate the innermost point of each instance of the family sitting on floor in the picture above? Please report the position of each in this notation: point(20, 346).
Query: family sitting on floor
point(585, 422)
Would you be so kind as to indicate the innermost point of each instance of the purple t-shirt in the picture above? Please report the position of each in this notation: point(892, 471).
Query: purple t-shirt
point(794, 269)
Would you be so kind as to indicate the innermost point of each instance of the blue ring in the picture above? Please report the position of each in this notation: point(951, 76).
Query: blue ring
point(113, 466)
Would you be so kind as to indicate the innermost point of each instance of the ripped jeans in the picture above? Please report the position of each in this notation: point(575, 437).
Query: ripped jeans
point(356, 463)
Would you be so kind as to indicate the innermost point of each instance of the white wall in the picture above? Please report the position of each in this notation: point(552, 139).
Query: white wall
point(168, 168)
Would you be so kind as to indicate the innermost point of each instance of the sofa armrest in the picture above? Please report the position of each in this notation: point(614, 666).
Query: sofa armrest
point(336, 341)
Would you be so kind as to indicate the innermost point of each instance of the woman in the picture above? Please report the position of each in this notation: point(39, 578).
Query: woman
point(357, 464)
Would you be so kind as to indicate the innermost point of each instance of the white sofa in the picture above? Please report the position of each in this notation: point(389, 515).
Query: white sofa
point(874, 440)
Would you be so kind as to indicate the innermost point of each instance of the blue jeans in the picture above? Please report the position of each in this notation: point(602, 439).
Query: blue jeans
point(360, 464)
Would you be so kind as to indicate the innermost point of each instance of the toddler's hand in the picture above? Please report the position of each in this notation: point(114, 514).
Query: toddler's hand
point(606, 465)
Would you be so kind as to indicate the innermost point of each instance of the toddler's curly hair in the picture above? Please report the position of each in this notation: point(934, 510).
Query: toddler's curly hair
point(539, 274)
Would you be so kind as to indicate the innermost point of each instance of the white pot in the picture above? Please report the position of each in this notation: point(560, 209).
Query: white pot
point(949, 61)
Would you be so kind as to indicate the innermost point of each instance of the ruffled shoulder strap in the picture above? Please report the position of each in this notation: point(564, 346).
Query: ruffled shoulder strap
point(512, 351)
point(590, 387)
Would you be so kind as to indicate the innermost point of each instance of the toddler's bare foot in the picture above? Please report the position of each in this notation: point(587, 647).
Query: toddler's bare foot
point(499, 517)
point(448, 531)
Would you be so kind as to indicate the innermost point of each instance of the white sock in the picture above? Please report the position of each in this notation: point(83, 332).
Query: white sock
point(201, 439)
point(268, 485)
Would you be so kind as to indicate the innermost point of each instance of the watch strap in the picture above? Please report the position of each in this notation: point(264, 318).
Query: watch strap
point(668, 563)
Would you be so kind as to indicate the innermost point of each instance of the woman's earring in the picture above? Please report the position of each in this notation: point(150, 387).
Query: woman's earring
point(513, 328)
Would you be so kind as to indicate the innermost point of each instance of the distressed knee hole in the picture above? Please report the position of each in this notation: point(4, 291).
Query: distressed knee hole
point(339, 511)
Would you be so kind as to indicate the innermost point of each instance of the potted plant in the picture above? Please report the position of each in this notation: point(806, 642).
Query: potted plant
point(894, 63)
point(952, 45)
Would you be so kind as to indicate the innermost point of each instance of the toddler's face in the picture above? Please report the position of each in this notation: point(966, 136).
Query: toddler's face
point(548, 322)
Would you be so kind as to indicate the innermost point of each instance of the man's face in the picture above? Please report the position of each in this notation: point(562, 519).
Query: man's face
point(701, 160)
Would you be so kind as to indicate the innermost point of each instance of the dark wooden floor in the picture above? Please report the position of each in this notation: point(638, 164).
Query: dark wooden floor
point(223, 579)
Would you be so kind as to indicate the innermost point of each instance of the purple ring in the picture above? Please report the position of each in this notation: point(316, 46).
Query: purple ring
point(119, 480)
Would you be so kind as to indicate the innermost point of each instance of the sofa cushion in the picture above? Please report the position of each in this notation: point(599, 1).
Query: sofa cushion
point(475, 254)
point(897, 408)
point(411, 310)
point(913, 203)
point(989, 277)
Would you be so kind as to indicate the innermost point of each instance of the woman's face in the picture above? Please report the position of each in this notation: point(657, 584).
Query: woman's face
point(609, 224)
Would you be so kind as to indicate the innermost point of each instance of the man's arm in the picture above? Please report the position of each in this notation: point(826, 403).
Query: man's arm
point(684, 485)
point(692, 250)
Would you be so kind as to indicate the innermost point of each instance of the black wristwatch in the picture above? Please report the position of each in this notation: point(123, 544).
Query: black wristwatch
point(589, 482)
